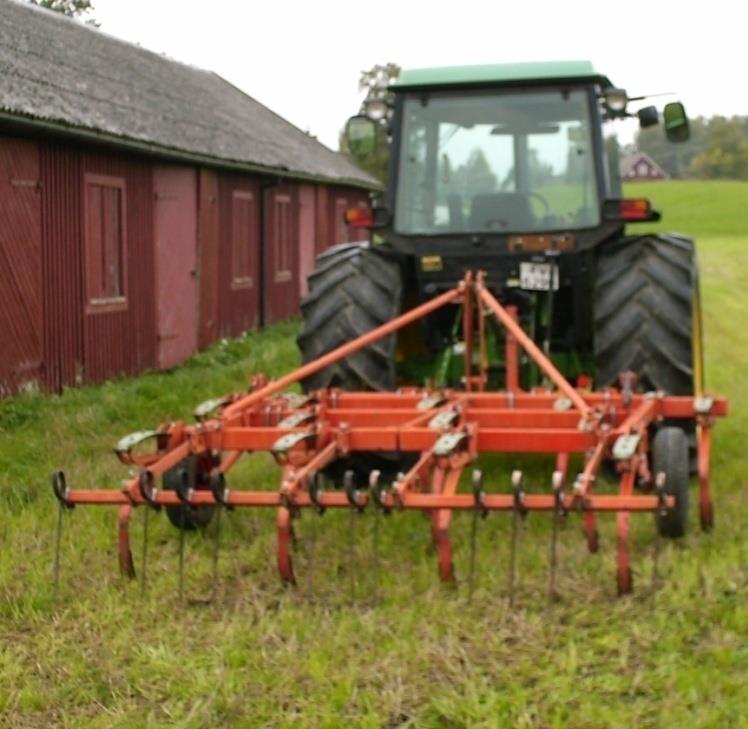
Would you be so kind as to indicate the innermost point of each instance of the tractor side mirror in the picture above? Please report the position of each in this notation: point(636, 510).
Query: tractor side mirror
point(676, 122)
point(648, 117)
point(361, 133)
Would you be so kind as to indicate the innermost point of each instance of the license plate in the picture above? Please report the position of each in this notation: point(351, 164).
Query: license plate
point(537, 276)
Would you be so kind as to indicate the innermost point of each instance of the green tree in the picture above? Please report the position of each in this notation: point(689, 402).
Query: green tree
point(475, 176)
point(71, 8)
point(373, 84)
point(726, 153)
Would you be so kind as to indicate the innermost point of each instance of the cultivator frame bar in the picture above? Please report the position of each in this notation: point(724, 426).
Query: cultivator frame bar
point(446, 428)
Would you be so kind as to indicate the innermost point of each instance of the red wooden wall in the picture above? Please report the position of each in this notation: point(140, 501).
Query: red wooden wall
point(20, 266)
point(85, 339)
point(175, 238)
point(238, 254)
point(112, 264)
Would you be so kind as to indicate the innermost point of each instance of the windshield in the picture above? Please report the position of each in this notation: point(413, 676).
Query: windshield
point(496, 162)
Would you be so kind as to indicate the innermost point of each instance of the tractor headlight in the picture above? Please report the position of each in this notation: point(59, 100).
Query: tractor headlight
point(615, 100)
point(375, 108)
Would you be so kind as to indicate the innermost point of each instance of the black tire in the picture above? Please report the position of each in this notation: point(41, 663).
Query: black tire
point(670, 456)
point(645, 288)
point(354, 288)
point(195, 469)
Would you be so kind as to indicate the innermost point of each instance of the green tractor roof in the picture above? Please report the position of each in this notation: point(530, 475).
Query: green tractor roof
point(499, 73)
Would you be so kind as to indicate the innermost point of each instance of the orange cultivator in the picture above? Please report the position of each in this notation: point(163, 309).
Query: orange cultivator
point(444, 430)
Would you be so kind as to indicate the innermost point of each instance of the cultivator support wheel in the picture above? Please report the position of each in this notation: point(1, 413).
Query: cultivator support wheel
point(444, 431)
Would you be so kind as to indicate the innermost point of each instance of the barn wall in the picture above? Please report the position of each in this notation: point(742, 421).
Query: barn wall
point(62, 264)
point(238, 254)
point(175, 240)
point(20, 266)
point(123, 341)
point(307, 234)
point(207, 256)
point(254, 242)
point(281, 252)
point(88, 340)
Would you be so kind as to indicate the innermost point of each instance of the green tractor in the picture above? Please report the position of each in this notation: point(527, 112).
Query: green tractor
point(504, 169)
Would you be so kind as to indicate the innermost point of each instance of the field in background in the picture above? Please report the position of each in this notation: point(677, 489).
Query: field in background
point(338, 652)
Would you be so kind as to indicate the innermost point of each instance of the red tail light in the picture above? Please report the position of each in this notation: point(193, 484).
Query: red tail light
point(359, 217)
point(635, 209)
point(630, 210)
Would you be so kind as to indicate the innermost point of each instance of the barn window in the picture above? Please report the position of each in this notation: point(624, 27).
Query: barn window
point(283, 239)
point(105, 241)
point(243, 238)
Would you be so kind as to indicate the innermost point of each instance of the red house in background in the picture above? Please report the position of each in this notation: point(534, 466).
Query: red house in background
point(640, 167)
point(147, 207)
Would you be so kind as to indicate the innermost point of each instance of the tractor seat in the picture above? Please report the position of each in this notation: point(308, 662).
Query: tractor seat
point(501, 211)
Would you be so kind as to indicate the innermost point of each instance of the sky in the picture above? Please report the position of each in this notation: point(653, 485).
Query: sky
point(303, 59)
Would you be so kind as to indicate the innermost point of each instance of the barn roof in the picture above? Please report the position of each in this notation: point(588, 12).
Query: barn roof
point(67, 77)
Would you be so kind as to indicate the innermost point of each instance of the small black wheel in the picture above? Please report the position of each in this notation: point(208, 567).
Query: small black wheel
point(194, 472)
point(670, 456)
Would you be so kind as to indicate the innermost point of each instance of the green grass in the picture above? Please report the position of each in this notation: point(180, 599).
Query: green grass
point(335, 652)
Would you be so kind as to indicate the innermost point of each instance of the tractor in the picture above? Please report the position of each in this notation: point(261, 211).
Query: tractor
point(500, 307)
point(505, 168)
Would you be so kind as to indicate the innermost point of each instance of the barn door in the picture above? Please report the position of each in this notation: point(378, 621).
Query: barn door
point(208, 255)
point(20, 265)
point(281, 284)
point(176, 263)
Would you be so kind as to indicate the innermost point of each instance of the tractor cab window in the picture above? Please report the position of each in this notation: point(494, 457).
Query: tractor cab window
point(496, 162)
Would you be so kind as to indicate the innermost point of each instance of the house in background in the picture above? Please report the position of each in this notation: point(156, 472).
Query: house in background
point(640, 167)
point(147, 207)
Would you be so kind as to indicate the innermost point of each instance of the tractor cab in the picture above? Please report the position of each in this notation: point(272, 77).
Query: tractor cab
point(479, 154)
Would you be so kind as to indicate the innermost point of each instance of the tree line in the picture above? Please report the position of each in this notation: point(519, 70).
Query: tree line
point(718, 148)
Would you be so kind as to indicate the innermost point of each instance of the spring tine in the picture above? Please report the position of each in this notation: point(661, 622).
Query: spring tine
point(517, 511)
point(61, 491)
point(558, 513)
point(660, 491)
point(315, 490)
point(655, 563)
point(478, 511)
point(58, 547)
point(221, 495)
point(350, 488)
point(351, 546)
point(144, 553)
point(181, 553)
point(310, 558)
point(374, 494)
point(216, 547)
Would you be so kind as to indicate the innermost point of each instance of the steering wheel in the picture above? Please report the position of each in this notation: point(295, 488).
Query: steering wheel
point(537, 196)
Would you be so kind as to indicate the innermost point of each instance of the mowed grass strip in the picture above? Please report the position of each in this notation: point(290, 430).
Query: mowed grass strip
point(342, 650)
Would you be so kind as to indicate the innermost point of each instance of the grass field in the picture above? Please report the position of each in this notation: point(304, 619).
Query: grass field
point(333, 653)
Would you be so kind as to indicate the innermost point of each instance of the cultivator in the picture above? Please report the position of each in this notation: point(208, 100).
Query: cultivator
point(444, 431)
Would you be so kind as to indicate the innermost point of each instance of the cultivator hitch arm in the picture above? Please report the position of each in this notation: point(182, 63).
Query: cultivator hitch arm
point(446, 429)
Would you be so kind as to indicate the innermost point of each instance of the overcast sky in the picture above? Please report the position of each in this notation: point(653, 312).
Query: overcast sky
point(303, 58)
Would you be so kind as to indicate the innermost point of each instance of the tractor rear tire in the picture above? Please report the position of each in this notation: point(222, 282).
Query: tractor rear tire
point(355, 288)
point(646, 294)
point(670, 456)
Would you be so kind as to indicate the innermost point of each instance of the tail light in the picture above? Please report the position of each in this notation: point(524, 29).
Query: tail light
point(359, 217)
point(630, 210)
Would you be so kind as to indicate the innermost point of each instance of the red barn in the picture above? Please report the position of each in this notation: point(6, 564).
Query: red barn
point(640, 167)
point(147, 207)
